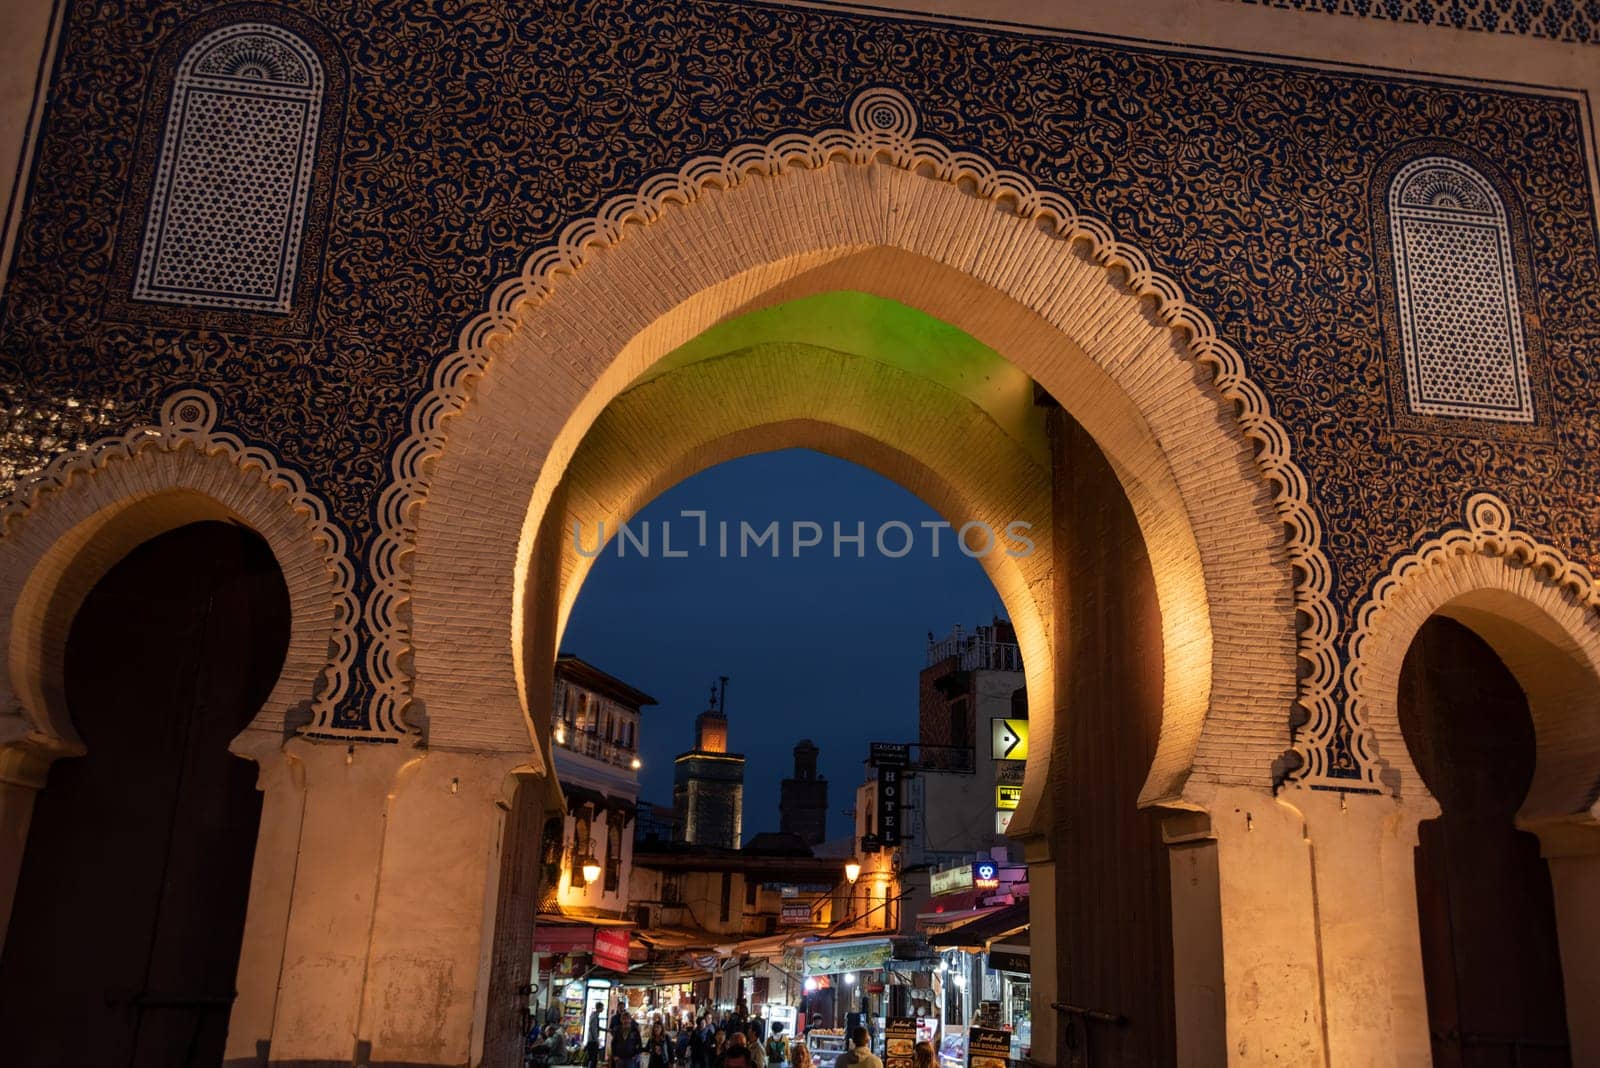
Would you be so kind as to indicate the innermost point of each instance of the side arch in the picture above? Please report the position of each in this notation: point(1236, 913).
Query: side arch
point(64, 528)
point(1536, 608)
point(878, 210)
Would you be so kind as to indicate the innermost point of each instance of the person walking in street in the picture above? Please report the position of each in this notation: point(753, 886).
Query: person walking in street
point(699, 1045)
point(658, 1048)
point(922, 1055)
point(592, 1039)
point(800, 1054)
point(860, 1055)
point(627, 1045)
point(758, 1055)
point(777, 1047)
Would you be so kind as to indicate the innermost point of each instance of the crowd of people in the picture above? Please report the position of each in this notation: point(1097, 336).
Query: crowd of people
point(714, 1040)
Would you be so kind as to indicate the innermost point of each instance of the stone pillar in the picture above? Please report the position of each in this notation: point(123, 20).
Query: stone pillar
point(330, 920)
point(24, 766)
point(1362, 849)
point(1573, 853)
point(1199, 993)
point(1043, 949)
point(281, 780)
point(1254, 847)
point(432, 933)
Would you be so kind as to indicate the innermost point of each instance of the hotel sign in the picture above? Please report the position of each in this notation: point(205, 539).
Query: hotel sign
point(890, 759)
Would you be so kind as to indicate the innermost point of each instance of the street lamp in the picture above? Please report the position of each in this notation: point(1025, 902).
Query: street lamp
point(591, 869)
point(852, 871)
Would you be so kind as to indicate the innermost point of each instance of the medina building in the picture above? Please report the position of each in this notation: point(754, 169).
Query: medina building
point(325, 324)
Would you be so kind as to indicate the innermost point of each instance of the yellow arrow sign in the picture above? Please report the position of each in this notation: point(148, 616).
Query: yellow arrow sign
point(1010, 739)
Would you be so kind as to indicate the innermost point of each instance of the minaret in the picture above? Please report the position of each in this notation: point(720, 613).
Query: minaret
point(803, 799)
point(708, 781)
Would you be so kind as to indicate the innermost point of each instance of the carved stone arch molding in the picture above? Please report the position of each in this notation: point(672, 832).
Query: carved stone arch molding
point(64, 528)
point(876, 207)
point(1540, 612)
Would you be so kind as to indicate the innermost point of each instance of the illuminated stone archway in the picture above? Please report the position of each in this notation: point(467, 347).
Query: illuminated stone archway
point(1196, 483)
point(461, 616)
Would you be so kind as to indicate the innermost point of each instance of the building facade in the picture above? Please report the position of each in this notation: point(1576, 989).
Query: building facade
point(1276, 324)
point(595, 724)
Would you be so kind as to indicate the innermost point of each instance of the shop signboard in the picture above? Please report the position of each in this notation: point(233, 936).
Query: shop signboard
point(899, 1041)
point(795, 914)
point(988, 1047)
point(1010, 739)
point(1002, 822)
point(1009, 960)
point(1007, 796)
point(829, 959)
point(986, 875)
point(611, 948)
point(890, 754)
point(951, 880)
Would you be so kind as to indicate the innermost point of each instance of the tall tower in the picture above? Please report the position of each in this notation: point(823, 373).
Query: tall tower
point(708, 781)
point(803, 799)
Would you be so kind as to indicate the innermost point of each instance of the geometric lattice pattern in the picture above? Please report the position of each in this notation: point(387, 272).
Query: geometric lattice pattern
point(1456, 287)
point(1573, 21)
point(229, 202)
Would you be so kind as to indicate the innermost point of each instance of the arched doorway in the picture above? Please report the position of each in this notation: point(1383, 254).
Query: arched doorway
point(1487, 918)
point(907, 395)
point(130, 905)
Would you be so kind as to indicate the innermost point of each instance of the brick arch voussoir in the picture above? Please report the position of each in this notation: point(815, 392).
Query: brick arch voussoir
point(1539, 611)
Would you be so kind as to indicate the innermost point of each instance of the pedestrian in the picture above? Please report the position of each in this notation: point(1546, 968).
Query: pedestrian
point(777, 1047)
point(861, 1055)
point(699, 1045)
point(557, 1038)
point(658, 1048)
point(922, 1055)
point(758, 1055)
point(736, 1054)
point(627, 1045)
point(591, 1041)
point(801, 1055)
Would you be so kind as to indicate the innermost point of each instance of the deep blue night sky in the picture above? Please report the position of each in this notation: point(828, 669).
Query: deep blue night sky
point(814, 647)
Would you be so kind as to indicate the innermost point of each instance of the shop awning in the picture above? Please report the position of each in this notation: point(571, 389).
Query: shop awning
point(979, 931)
point(663, 973)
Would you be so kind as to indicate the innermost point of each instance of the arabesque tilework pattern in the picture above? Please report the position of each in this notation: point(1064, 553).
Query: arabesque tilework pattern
point(470, 136)
point(1577, 21)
